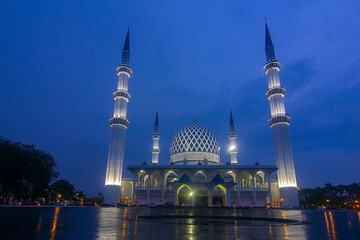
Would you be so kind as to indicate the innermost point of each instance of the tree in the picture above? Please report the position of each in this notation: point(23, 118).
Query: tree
point(25, 172)
point(79, 198)
point(62, 190)
point(353, 191)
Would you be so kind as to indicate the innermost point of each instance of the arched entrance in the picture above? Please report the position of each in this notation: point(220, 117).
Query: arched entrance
point(201, 196)
point(184, 194)
point(219, 195)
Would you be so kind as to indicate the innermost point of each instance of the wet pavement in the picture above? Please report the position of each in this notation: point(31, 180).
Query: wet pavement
point(110, 223)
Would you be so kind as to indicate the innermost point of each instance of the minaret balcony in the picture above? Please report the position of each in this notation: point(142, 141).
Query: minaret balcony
point(284, 119)
point(122, 94)
point(232, 136)
point(156, 136)
point(233, 151)
point(155, 150)
point(123, 68)
point(122, 121)
point(272, 64)
point(275, 91)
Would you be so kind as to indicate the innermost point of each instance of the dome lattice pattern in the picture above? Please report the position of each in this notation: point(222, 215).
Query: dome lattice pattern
point(194, 138)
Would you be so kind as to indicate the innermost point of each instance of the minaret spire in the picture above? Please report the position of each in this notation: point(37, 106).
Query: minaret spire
point(279, 122)
point(232, 137)
point(156, 137)
point(269, 47)
point(125, 58)
point(118, 126)
point(156, 126)
point(232, 128)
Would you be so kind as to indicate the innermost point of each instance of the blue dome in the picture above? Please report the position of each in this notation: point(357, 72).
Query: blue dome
point(195, 138)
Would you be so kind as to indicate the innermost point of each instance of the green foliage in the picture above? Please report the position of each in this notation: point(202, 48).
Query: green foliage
point(25, 172)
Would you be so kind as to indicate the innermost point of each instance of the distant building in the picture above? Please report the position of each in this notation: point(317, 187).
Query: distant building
point(195, 175)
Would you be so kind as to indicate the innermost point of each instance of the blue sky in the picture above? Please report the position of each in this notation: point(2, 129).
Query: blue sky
point(192, 60)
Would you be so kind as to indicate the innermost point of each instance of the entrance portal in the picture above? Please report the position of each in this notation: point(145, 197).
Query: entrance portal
point(201, 197)
point(185, 196)
point(218, 196)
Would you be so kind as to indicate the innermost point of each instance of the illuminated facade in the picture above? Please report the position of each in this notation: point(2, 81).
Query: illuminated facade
point(118, 125)
point(196, 177)
point(279, 122)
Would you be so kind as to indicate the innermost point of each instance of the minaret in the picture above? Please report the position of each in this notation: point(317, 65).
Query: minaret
point(232, 137)
point(279, 122)
point(118, 125)
point(156, 136)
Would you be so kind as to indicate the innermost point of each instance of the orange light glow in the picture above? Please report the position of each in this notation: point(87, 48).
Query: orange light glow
point(53, 230)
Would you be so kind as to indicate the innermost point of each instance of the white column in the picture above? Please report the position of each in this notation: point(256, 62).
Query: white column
point(156, 150)
point(233, 149)
point(270, 196)
point(148, 188)
point(134, 188)
point(176, 198)
point(238, 189)
point(253, 187)
point(118, 126)
point(163, 187)
point(228, 197)
point(210, 197)
point(279, 122)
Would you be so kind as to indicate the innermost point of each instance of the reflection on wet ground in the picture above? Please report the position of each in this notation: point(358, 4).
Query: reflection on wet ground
point(108, 223)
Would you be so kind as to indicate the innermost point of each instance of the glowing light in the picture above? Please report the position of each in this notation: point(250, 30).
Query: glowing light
point(286, 231)
point(286, 185)
point(124, 73)
point(124, 223)
point(115, 183)
point(232, 147)
point(38, 227)
point(276, 94)
point(270, 231)
point(327, 224)
point(184, 185)
point(330, 226)
point(191, 194)
point(53, 230)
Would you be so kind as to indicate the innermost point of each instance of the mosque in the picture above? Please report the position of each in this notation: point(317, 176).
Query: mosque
point(195, 175)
